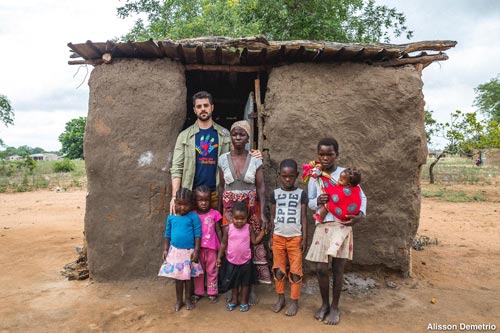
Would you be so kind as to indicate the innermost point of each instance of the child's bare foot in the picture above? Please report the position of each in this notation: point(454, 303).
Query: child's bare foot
point(178, 306)
point(333, 317)
point(189, 305)
point(280, 304)
point(213, 299)
point(195, 298)
point(293, 308)
point(322, 312)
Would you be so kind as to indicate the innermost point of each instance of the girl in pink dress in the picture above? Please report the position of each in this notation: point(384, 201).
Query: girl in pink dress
point(211, 234)
point(239, 272)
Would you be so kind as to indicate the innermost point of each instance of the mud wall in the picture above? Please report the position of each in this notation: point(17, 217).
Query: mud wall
point(376, 114)
point(136, 110)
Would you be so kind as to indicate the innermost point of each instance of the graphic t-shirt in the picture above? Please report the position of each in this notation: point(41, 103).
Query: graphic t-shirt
point(209, 239)
point(207, 144)
point(287, 220)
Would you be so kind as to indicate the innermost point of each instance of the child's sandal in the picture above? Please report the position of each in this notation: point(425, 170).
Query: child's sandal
point(213, 299)
point(244, 307)
point(231, 306)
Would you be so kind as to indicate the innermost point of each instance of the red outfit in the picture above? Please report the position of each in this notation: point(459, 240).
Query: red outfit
point(343, 200)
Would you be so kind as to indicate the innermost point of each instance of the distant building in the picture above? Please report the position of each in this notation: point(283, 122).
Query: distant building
point(14, 158)
point(44, 157)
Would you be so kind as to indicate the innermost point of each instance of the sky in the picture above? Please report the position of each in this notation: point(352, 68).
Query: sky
point(46, 92)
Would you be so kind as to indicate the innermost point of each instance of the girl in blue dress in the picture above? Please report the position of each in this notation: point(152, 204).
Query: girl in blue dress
point(181, 249)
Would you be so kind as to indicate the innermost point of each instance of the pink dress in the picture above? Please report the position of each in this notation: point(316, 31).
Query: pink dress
point(208, 254)
point(238, 245)
point(239, 269)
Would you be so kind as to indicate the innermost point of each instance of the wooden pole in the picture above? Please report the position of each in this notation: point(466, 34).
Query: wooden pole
point(258, 105)
point(251, 120)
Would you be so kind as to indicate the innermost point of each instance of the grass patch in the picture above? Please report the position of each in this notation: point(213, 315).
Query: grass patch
point(452, 195)
point(18, 176)
point(460, 170)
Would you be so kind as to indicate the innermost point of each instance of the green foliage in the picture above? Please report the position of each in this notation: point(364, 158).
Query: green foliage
point(431, 125)
point(461, 171)
point(29, 163)
point(466, 133)
point(21, 151)
point(72, 138)
point(17, 176)
point(333, 20)
point(6, 113)
point(65, 165)
point(452, 195)
point(488, 98)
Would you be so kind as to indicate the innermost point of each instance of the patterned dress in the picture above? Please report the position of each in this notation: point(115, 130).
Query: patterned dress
point(243, 189)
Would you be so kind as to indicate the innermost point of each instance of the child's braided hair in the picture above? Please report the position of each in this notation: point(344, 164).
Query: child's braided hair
point(201, 189)
point(184, 193)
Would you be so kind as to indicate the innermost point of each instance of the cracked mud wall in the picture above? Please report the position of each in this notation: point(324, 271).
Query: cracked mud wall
point(376, 115)
point(136, 110)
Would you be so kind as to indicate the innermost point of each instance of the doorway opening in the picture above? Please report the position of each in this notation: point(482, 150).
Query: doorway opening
point(234, 96)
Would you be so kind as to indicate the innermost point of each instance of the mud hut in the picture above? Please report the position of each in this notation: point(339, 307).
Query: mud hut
point(367, 96)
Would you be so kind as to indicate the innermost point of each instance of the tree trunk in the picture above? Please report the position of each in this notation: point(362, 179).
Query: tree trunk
point(431, 167)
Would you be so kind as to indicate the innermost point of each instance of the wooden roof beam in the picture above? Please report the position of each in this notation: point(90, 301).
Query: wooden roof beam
point(280, 56)
point(432, 45)
point(180, 54)
point(360, 55)
point(244, 56)
point(94, 49)
point(339, 54)
point(225, 68)
point(199, 55)
point(318, 56)
point(218, 55)
point(262, 56)
point(426, 60)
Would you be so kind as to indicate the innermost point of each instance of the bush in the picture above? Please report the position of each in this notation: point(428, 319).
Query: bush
point(65, 165)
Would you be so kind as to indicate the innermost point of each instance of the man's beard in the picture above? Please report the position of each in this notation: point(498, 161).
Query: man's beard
point(206, 115)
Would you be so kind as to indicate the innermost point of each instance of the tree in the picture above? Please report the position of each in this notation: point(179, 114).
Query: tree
point(72, 138)
point(6, 113)
point(465, 134)
point(431, 125)
point(488, 98)
point(333, 20)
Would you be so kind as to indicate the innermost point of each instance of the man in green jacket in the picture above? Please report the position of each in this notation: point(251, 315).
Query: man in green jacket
point(197, 150)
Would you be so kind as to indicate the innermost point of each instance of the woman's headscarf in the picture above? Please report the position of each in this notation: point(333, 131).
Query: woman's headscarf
point(243, 124)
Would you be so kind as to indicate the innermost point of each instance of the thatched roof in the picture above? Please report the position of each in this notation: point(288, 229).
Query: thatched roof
point(256, 53)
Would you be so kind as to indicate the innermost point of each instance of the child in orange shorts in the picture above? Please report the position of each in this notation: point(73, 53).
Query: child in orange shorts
point(288, 222)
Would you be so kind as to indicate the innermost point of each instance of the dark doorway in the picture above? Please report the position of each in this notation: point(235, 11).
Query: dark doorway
point(230, 91)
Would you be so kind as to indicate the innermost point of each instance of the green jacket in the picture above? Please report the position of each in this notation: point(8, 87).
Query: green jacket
point(184, 160)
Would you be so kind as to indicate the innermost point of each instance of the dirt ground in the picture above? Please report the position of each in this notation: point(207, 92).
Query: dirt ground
point(40, 230)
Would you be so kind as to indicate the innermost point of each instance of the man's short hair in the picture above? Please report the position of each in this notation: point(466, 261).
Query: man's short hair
point(201, 95)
